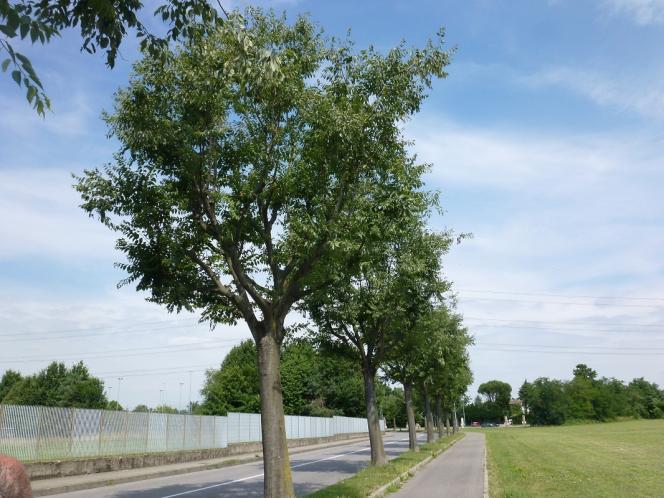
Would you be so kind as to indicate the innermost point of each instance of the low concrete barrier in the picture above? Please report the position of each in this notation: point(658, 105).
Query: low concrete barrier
point(63, 468)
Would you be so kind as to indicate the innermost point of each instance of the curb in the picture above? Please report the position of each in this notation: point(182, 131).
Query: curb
point(408, 473)
point(486, 472)
point(100, 483)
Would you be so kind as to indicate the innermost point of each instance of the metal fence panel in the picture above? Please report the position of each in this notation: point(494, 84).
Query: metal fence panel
point(157, 432)
point(48, 433)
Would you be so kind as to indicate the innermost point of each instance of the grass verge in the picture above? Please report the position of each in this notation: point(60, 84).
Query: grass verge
point(371, 478)
point(600, 460)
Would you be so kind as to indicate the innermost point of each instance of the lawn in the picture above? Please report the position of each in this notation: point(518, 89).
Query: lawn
point(613, 459)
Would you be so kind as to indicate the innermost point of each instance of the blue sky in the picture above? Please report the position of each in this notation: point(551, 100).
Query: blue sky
point(546, 141)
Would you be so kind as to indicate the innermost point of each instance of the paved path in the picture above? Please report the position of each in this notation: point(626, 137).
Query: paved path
point(312, 470)
point(456, 473)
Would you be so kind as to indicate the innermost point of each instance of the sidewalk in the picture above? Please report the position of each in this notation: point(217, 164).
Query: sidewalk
point(43, 487)
point(457, 472)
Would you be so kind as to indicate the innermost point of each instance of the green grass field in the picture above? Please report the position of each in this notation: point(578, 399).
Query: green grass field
point(619, 459)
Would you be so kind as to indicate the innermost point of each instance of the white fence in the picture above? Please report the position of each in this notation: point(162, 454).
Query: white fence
point(48, 433)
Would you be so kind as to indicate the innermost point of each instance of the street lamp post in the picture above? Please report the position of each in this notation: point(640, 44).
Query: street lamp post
point(180, 398)
point(117, 399)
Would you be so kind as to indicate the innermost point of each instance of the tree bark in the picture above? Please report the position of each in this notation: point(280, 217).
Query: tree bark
point(447, 423)
point(277, 482)
point(439, 415)
point(455, 420)
point(428, 415)
point(410, 414)
point(378, 456)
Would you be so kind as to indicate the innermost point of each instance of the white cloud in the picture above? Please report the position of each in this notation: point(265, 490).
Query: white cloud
point(641, 94)
point(70, 118)
point(558, 213)
point(643, 12)
point(43, 218)
point(116, 333)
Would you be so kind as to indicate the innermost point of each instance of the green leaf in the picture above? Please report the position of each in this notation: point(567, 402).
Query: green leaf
point(13, 20)
point(11, 33)
point(25, 27)
point(17, 77)
point(32, 91)
point(5, 64)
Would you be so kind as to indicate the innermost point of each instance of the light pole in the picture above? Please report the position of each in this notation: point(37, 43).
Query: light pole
point(161, 400)
point(180, 398)
point(117, 399)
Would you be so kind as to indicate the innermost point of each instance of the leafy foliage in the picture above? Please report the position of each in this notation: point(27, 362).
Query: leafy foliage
point(56, 385)
point(103, 25)
point(314, 382)
point(586, 397)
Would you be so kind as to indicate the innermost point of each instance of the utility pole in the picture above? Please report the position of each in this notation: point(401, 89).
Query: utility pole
point(161, 400)
point(180, 398)
point(117, 399)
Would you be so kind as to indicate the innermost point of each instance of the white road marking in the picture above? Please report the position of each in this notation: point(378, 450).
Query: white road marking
point(261, 475)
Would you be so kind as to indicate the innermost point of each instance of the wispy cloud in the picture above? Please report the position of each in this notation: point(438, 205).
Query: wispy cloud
point(640, 94)
point(43, 219)
point(643, 12)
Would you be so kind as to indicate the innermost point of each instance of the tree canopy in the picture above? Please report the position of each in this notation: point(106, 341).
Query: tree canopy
point(255, 161)
point(55, 385)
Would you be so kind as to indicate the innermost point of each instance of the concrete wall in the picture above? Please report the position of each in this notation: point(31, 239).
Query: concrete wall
point(63, 468)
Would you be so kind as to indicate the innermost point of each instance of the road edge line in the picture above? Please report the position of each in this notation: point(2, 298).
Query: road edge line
point(378, 493)
point(101, 483)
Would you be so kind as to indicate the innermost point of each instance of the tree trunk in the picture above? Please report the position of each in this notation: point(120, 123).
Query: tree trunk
point(455, 420)
point(428, 415)
point(277, 482)
point(447, 423)
point(410, 414)
point(394, 423)
point(439, 415)
point(378, 456)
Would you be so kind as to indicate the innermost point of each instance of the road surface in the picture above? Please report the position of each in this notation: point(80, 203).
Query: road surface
point(456, 473)
point(312, 470)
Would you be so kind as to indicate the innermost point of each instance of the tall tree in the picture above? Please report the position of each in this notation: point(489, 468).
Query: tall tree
point(451, 381)
point(248, 158)
point(235, 386)
point(363, 312)
point(497, 395)
point(9, 379)
point(414, 328)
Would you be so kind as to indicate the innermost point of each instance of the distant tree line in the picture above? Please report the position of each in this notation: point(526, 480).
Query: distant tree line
point(55, 385)
point(587, 397)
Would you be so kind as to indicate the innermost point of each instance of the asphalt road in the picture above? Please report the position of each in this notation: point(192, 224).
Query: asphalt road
point(312, 470)
point(457, 472)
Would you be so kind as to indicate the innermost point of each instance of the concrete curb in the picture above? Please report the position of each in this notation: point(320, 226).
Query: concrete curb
point(380, 492)
point(486, 472)
point(198, 467)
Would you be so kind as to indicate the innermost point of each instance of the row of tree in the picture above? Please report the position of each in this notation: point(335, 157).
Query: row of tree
point(589, 397)
point(263, 168)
